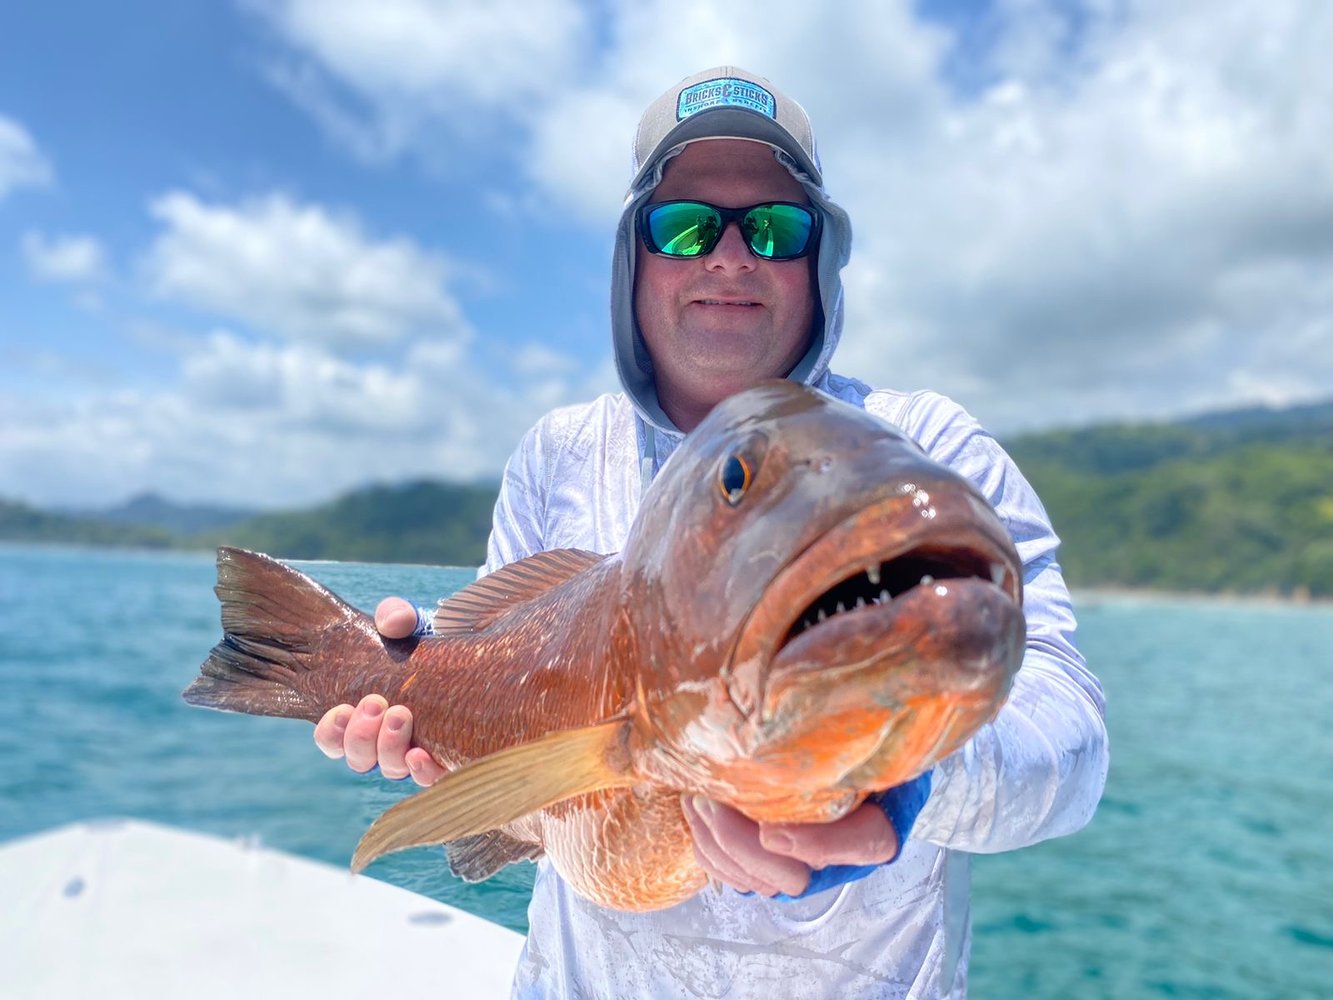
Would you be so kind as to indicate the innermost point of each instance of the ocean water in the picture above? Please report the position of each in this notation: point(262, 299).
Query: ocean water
point(1208, 871)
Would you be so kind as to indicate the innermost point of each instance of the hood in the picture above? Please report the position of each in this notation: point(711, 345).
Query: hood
point(673, 131)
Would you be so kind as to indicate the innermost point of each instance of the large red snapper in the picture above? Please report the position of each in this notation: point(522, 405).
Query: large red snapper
point(807, 610)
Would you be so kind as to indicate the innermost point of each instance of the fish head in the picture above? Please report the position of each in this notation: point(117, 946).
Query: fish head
point(819, 610)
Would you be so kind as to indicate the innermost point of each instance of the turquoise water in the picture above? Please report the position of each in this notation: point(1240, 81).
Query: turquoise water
point(1208, 871)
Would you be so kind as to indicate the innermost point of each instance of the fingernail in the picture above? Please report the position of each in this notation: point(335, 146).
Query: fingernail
point(778, 842)
point(372, 709)
point(393, 723)
point(342, 718)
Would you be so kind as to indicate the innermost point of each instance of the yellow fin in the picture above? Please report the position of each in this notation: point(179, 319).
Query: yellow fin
point(503, 787)
point(496, 594)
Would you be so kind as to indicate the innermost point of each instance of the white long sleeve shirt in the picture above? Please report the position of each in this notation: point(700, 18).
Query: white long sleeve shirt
point(1036, 772)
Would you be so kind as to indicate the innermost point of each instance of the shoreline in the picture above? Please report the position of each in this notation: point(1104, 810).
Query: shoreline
point(1080, 594)
point(1115, 592)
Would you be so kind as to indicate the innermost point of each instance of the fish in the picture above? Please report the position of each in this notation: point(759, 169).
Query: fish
point(807, 610)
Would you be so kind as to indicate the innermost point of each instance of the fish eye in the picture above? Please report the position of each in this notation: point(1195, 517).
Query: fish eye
point(735, 476)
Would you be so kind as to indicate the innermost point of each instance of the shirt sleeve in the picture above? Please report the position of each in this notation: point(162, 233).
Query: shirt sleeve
point(1037, 771)
point(517, 525)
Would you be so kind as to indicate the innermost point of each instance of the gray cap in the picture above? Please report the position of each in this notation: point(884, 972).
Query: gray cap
point(740, 105)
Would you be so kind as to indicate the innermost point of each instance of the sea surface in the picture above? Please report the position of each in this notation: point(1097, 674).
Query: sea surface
point(1208, 871)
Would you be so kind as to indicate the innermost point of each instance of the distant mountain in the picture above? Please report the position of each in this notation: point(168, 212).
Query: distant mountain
point(420, 522)
point(1225, 502)
point(20, 522)
point(156, 511)
point(1106, 449)
point(1236, 502)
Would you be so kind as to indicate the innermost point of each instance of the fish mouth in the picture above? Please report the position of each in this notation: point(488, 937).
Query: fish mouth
point(881, 562)
point(882, 582)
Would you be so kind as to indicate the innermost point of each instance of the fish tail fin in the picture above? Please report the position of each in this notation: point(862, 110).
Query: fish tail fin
point(272, 619)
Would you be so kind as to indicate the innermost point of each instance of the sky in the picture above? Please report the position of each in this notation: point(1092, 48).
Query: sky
point(261, 252)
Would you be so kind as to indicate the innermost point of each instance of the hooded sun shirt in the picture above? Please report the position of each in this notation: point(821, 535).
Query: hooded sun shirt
point(1037, 771)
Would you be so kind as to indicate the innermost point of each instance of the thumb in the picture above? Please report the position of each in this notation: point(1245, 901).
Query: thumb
point(395, 618)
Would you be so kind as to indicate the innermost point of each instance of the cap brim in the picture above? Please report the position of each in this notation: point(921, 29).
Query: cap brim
point(729, 123)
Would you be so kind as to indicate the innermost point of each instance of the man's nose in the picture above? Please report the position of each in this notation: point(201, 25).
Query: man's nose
point(731, 253)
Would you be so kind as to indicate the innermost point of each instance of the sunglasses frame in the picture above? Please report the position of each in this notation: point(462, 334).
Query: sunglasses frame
point(728, 216)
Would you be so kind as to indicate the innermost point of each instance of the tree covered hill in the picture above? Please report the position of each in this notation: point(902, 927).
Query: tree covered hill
point(420, 522)
point(1238, 502)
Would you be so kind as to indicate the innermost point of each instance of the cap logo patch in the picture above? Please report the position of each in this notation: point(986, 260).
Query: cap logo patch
point(726, 92)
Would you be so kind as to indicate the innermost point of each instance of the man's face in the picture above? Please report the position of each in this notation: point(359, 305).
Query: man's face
point(720, 323)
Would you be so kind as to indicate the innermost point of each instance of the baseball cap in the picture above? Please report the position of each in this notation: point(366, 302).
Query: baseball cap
point(725, 102)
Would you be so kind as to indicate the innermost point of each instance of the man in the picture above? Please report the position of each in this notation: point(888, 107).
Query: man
point(706, 302)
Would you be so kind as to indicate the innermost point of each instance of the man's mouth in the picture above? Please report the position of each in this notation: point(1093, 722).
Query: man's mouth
point(726, 302)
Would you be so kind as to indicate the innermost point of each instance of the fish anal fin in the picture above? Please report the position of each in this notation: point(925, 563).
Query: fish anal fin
point(495, 594)
point(492, 791)
point(476, 858)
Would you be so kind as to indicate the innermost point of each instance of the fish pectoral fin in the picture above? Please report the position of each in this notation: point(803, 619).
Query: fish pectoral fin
point(488, 793)
point(496, 594)
point(475, 859)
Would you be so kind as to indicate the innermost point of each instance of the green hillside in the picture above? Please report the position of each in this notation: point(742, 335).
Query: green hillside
point(422, 522)
point(1238, 503)
point(443, 524)
point(20, 522)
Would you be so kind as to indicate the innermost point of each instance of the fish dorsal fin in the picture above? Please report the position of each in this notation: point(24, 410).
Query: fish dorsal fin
point(474, 859)
point(495, 594)
point(488, 793)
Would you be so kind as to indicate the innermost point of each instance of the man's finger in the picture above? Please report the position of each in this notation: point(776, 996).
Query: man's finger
point(331, 730)
point(395, 618)
point(425, 770)
point(862, 837)
point(738, 839)
point(363, 732)
point(712, 859)
point(395, 739)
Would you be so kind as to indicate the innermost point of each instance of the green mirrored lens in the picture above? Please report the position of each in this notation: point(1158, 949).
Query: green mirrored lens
point(774, 231)
point(777, 230)
point(684, 229)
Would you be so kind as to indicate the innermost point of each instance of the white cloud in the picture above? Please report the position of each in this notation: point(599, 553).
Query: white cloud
point(21, 162)
point(1118, 240)
point(1101, 230)
point(72, 259)
point(376, 76)
point(279, 425)
point(300, 271)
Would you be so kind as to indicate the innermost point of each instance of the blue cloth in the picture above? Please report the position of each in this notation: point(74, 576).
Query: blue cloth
point(901, 804)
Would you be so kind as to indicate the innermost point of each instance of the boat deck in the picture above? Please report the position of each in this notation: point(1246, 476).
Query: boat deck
point(125, 908)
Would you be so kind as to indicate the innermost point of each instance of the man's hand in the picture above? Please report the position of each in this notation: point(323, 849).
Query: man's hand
point(769, 858)
point(374, 732)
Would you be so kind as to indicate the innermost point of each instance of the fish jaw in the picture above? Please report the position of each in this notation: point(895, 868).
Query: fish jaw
point(867, 697)
point(910, 682)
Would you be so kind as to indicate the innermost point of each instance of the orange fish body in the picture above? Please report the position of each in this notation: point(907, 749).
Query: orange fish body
point(807, 610)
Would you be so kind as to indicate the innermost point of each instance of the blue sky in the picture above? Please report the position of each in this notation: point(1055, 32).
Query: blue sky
point(263, 252)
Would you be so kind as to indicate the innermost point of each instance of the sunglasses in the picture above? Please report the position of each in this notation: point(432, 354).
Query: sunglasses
point(775, 230)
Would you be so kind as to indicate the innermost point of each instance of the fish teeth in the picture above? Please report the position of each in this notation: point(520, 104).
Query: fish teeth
point(841, 607)
point(823, 615)
point(927, 580)
point(860, 602)
point(872, 573)
point(997, 573)
point(884, 596)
